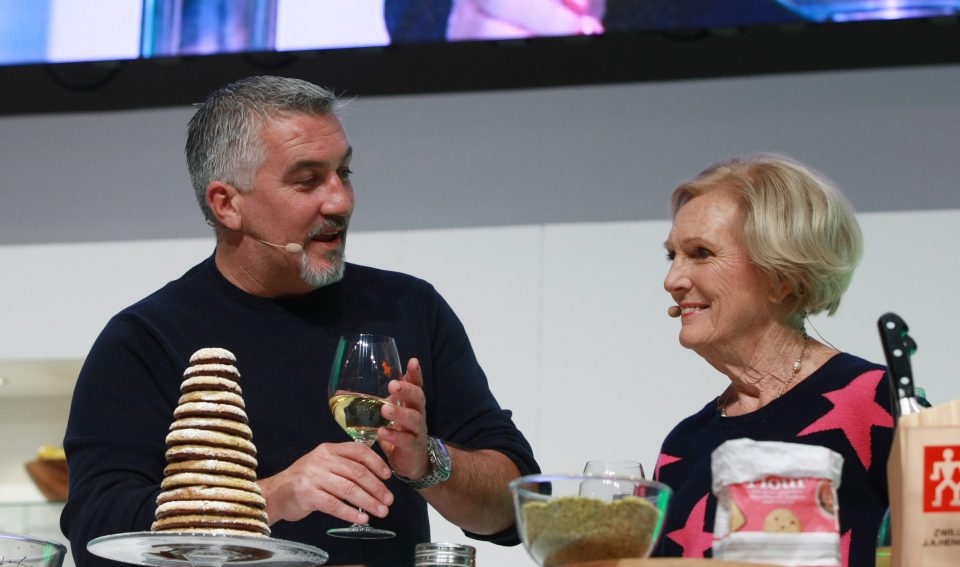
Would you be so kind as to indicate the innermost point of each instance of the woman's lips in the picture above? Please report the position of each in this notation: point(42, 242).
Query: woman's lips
point(686, 309)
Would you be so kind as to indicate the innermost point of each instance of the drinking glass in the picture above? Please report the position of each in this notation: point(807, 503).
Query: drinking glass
point(609, 482)
point(363, 366)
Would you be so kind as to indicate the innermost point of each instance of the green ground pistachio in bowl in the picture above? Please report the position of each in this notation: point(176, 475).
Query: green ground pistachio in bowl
point(565, 519)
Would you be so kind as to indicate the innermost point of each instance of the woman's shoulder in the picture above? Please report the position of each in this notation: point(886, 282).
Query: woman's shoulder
point(846, 367)
point(853, 362)
point(850, 378)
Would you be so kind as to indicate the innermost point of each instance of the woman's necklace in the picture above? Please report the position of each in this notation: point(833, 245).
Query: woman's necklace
point(796, 365)
point(796, 370)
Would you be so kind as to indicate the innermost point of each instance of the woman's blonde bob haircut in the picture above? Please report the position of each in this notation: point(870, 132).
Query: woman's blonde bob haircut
point(799, 228)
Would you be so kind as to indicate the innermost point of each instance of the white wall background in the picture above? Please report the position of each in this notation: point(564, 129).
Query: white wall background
point(569, 321)
point(563, 301)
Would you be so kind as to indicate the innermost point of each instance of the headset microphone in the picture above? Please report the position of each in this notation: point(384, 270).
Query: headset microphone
point(291, 247)
point(673, 311)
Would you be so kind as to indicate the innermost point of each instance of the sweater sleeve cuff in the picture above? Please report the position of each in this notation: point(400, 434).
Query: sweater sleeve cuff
point(507, 537)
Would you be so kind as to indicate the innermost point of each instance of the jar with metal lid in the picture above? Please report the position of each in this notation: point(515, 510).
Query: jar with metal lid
point(444, 555)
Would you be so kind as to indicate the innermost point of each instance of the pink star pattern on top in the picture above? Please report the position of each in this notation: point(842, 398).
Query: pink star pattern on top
point(691, 536)
point(855, 413)
point(662, 461)
point(845, 548)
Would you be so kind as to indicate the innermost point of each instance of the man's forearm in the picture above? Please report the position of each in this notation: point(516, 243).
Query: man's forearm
point(476, 497)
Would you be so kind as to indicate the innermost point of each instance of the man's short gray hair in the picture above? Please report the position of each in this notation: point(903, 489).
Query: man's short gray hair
point(223, 136)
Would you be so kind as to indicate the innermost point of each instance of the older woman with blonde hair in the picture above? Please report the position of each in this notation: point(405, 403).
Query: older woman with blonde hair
point(758, 243)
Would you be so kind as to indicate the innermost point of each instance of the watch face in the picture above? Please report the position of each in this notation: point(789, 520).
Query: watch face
point(441, 457)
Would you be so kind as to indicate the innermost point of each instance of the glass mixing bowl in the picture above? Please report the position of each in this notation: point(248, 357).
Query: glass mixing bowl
point(572, 518)
point(25, 551)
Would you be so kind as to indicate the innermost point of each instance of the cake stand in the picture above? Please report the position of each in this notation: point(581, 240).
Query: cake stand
point(173, 549)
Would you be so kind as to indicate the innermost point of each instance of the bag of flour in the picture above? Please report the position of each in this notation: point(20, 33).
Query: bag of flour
point(776, 503)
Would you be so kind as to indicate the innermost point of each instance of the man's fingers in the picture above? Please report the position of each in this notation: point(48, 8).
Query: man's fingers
point(405, 418)
point(408, 394)
point(414, 373)
point(357, 459)
point(373, 498)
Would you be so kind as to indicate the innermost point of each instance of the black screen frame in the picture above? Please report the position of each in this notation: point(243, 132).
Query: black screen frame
point(491, 65)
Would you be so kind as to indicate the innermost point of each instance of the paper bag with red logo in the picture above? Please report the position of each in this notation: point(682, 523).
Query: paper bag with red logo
point(924, 477)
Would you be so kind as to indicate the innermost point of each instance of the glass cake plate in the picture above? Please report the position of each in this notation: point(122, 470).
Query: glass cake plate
point(172, 549)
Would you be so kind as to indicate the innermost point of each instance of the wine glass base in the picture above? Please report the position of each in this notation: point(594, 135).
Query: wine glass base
point(184, 549)
point(357, 531)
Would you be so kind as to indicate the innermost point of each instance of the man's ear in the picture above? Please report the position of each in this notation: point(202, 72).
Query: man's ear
point(224, 200)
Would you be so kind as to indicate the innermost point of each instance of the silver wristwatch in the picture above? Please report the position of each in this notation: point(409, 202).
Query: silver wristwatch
point(440, 466)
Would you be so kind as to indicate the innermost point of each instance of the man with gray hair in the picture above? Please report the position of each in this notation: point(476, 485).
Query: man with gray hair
point(270, 163)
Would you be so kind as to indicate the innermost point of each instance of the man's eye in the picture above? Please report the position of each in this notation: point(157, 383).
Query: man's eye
point(345, 173)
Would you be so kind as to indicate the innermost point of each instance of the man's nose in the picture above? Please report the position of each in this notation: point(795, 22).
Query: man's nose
point(337, 198)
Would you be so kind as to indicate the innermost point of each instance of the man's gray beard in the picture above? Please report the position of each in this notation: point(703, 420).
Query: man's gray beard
point(323, 277)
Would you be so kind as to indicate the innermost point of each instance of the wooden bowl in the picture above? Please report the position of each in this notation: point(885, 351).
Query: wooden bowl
point(50, 476)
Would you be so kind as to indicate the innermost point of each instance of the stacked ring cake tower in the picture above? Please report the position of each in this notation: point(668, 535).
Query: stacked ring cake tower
point(209, 483)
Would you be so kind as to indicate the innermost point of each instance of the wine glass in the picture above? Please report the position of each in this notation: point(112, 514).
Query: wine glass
point(609, 483)
point(363, 366)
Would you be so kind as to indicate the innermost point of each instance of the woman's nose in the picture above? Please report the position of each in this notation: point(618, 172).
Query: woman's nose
point(676, 278)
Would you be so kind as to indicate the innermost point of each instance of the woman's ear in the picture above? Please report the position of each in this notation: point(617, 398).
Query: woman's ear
point(224, 200)
point(780, 291)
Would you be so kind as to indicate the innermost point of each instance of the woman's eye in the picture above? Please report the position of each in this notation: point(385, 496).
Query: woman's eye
point(701, 253)
point(671, 255)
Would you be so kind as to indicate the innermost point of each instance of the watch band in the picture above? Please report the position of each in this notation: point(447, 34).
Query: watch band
point(440, 466)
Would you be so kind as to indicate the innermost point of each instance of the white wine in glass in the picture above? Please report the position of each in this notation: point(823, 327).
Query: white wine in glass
point(362, 368)
point(359, 415)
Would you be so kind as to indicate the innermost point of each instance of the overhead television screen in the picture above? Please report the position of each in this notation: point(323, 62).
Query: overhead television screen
point(56, 31)
point(89, 55)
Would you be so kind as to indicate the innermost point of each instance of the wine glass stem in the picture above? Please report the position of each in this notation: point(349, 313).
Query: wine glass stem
point(369, 443)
